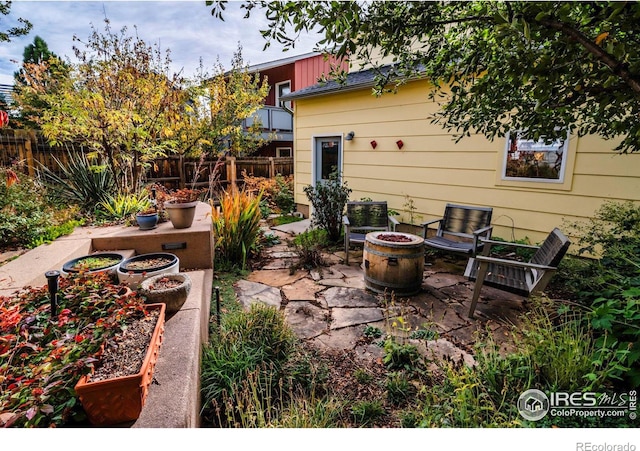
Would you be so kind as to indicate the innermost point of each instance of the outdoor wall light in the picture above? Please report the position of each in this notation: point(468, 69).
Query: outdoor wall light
point(350, 136)
point(399, 143)
point(374, 144)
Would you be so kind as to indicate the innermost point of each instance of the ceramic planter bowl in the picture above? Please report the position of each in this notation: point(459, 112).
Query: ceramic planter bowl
point(169, 289)
point(181, 214)
point(147, 221)
point(94, 263)
point(135, 269)
point(120, 399)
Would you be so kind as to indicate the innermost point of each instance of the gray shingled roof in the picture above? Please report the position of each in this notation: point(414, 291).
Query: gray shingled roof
point(354, 81)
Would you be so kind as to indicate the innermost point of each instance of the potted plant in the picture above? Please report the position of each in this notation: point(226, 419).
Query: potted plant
point(135, 269)
point(56, 340)
point(94, 263)
point(169, 289)
point(147, 219)
point(181, 207)
point(117, 389)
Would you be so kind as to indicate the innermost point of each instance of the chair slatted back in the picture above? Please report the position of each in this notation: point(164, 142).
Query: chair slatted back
point(367, 214)
point(552, 250)
point(462, 220)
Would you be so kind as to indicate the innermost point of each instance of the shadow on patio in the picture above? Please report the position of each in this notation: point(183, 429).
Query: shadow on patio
point(330, 307)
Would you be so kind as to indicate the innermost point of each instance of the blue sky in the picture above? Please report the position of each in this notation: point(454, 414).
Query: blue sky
point(185, 27)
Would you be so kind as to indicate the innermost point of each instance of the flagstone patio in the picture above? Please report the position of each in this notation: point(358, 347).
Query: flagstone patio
point(330, 307)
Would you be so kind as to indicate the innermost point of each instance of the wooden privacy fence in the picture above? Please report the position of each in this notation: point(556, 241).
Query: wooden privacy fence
point(27, 150)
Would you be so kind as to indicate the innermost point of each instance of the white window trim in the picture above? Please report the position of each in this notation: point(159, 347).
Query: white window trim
point(279, 149)
point(277, 86)
point(563, 166)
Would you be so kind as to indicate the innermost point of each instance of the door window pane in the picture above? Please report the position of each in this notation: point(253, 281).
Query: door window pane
point(329, 158)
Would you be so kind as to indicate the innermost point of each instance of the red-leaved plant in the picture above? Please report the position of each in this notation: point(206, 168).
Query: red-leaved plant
point(42, 358)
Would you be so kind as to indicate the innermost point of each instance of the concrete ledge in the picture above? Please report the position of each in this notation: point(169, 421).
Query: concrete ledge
point(173, 399)
point(174, 396)
point(193, 246)
point(29, 269)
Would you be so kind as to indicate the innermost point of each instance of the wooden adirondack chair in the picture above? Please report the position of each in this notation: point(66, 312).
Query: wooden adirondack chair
point(523, 278)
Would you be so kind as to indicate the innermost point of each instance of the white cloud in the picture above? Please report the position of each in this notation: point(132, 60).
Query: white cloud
point(187, 28)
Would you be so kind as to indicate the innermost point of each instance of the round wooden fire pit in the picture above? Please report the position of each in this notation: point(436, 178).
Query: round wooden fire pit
point(393, 261)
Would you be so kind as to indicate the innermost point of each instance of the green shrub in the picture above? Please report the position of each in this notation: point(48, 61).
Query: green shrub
point(399, 388)
point(402, 356)
point(611, 294)
point(283, 196)
point(372, 332)
point(123, 206)
point(328, 199)
point(80, 182)
point(236, 226)
point(26, 217)
point(362, 376)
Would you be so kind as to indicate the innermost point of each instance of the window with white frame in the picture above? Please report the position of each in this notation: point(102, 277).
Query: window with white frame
point(536, 161)
point(283, 151)
point(282, 89)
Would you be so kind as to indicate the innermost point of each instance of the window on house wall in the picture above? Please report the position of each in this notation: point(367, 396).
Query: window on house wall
point(283, 151)
point(530, 160)
point(282, 89)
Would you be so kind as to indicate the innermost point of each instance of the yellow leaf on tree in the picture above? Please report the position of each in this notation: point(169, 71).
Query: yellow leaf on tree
point(601, 37)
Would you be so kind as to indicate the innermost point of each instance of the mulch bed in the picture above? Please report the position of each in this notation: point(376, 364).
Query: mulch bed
point(123, 355)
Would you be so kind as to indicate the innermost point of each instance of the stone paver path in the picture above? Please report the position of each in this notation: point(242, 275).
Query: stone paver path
point(330, 306)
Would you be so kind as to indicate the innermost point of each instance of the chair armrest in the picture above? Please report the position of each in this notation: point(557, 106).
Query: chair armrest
point(483, 231)
point(489, 243)
point(428, 223)
point(501, 261)
point(507, 243)
point(345, 220)
point(393, 220)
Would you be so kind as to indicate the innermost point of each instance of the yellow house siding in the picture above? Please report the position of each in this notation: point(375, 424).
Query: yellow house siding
point(433, 169)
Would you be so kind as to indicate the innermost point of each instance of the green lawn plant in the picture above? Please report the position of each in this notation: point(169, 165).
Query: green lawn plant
point(27, 218)
point(236, 226)
point(42, 358)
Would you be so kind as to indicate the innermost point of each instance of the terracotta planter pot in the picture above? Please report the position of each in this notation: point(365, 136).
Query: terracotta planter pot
point(181, 214)
point(173, 297)
point(121, 399)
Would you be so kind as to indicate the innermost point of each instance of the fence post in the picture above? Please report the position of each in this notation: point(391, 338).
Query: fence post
point(272, 168)
point(29, 152)
point(232, 172)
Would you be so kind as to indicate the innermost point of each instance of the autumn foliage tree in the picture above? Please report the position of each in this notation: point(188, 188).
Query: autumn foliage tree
point(219, 103)
point(123, 103)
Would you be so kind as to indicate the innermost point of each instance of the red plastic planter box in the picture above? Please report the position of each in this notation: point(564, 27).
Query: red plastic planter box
point(121, 399)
